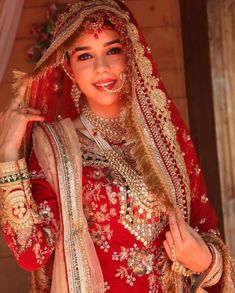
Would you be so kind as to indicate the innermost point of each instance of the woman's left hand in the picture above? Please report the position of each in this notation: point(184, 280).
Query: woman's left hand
point(191, 250)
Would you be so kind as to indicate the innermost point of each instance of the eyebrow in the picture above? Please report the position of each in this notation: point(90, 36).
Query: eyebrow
point(77, 49)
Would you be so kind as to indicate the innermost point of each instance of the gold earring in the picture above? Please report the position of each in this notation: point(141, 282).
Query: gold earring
point(75, 95)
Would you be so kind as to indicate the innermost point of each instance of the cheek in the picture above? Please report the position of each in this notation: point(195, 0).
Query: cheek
point(82, 73)
point(119, 62)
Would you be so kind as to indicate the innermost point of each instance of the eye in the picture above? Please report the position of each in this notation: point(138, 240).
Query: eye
point(84, 56)
point(114, 51)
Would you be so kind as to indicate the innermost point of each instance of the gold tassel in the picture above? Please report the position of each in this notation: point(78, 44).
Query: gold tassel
point(145, 162)
point(39, 281)
point(18, 77)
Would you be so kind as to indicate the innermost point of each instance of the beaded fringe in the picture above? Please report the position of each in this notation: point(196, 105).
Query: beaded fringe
point(142, 156)
point(39, 281)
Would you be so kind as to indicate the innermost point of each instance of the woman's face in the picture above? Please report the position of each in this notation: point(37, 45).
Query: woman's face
point(96, 65)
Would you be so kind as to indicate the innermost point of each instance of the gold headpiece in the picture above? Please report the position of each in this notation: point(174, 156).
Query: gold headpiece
point(72, 19)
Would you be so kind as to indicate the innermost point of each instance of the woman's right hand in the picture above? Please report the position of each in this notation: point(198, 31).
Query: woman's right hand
point(13, 123)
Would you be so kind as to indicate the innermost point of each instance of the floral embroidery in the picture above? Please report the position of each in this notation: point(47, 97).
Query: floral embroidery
point(202, 221)
point(197, 170)
point(19, 210)
point(204, 199)
point(106, 286)
point(186, 137)
point(100, 236)
point(33, 237)
point(37, 175)
point(140, 262)
point(99, 214)
point(122, 272)
point(102, 194)
point(196, 229)
point(40, 252)
point(50, 223)
point(154, 286)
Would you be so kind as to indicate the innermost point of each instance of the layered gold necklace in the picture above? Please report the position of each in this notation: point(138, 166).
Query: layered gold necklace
point(111, 129)
point(140, 212)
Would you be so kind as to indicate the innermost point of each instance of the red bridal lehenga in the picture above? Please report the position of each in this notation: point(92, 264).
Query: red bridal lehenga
point(72, 215)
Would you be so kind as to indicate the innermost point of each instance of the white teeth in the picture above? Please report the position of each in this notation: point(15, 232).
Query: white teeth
point(105, 84)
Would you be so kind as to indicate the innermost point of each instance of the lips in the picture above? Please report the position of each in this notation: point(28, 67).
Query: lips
point(105, 83)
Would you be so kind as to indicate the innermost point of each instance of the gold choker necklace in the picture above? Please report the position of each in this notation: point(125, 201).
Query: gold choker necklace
point(110, 128)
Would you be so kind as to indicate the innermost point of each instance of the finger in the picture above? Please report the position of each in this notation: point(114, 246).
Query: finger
point(20, 97)
point(32, 117)
point(169, 238)
point(175, 229)
point(167, 249)
point(28, 110)
point(195, 235)
point(182, 225)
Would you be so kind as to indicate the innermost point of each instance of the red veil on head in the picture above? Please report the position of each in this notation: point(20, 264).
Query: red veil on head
point(163, 143)
point(153, 118)
point(164, 150)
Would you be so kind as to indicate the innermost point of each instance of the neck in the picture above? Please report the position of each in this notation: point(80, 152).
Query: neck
point(106, 111)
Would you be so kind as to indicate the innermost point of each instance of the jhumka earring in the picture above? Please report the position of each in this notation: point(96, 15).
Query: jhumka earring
point(75, 95)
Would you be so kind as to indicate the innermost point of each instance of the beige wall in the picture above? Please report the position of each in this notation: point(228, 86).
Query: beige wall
point(160, 21)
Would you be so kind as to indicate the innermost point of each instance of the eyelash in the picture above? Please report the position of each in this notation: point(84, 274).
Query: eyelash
point(87, 56)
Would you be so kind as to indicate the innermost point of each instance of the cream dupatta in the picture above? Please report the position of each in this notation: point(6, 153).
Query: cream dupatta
point(76, 265)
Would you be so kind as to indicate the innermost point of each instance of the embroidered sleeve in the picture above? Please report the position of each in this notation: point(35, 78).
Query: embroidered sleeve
point(204, 221)
point(29, 213)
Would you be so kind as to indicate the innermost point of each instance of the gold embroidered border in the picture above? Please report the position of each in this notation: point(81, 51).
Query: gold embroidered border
point(79, 275)
point(157, 116)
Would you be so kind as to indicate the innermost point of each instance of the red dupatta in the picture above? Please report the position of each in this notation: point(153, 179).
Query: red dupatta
point(163, 142)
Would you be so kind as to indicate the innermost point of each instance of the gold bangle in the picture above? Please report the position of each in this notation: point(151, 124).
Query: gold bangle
point(11, 167)
point(17, 207)
point(13, 171)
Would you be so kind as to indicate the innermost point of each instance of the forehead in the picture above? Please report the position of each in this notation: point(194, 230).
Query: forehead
point(88, 39)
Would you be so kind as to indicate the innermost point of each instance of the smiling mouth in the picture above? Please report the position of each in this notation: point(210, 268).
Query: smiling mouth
point(105, 84)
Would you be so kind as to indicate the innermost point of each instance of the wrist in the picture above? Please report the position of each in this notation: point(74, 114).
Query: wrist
point(210, 261)
point(8, 154)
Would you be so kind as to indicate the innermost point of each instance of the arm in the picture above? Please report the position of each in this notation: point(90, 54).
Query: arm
point(29, 213)
point(191, 245)
point(203, 218)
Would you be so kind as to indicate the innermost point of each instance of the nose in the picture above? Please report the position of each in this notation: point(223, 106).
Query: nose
point(101, 65)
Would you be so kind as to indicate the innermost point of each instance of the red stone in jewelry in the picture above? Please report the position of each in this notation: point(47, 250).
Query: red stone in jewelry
point(94, 132)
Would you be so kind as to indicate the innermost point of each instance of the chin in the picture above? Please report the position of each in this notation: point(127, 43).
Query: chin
point(109, 103)
point(106, 99)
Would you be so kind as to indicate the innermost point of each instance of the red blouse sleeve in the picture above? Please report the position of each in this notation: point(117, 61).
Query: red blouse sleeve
point(34, 242)
point(203, 218)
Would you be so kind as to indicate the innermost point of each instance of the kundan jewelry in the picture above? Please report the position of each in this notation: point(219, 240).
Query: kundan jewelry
point(75, 95)
point(110, 128)
point(140, 212)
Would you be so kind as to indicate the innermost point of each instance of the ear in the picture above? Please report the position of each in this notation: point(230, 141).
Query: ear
point(67, 68)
